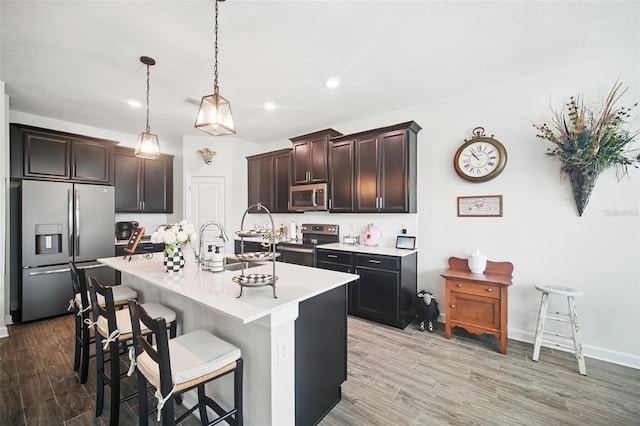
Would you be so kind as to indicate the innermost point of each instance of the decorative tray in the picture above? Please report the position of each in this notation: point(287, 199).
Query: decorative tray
point(254, 279)
point(257, 255)
point(253, 233)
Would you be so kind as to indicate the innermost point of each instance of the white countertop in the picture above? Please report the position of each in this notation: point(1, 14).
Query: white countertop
point(361, 248)
point(218, 292)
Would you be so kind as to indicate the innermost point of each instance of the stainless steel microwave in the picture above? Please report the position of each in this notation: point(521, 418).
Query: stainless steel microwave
point(309, 197)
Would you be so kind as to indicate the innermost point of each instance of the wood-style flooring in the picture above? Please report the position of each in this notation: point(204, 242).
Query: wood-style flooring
point(411, 378)
point(395, 377)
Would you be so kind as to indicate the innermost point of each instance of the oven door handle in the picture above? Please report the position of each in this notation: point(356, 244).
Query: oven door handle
point(295, 249)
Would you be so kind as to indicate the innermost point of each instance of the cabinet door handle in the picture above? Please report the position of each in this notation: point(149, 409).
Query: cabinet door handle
point(453, 306)
point(489, 290)
point(373, 261)
point(459, 286)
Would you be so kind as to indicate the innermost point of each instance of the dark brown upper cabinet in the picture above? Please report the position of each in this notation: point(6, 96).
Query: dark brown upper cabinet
point(383, 172)
point(269, 177)
point(341, 177)
point(38, 153)
point(309, 156)
point(143, 185)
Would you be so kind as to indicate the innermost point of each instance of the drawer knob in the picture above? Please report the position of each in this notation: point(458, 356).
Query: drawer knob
point(453, 306)
point(459, 285)
point(489, 290)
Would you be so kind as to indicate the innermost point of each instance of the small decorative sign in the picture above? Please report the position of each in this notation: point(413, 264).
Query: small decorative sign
point(134, 239)
point(480, 206)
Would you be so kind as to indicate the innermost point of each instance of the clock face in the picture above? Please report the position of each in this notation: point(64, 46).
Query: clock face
point(480, 159)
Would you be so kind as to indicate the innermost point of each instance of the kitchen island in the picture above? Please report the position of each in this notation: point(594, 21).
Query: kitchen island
point(278, 337)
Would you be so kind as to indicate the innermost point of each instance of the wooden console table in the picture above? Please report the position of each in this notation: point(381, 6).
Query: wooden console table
point(477, 302)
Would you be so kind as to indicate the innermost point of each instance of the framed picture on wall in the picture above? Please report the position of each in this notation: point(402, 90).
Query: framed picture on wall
point(480, 206)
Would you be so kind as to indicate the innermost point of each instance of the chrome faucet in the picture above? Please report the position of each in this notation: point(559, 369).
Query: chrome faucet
point(222, 235)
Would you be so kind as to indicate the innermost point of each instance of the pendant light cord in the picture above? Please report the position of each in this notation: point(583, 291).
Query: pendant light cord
point(215, 66)
point(148, 129)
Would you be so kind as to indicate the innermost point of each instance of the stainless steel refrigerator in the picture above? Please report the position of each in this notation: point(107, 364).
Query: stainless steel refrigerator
point(62, 222)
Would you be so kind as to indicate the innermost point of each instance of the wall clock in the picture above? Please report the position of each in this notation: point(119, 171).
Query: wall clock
point(480, 158)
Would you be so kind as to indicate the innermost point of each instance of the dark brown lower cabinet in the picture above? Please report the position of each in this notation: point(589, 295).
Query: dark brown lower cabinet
point(386, 290)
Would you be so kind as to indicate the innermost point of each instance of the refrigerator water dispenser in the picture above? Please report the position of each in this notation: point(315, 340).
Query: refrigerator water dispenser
point(48, 238)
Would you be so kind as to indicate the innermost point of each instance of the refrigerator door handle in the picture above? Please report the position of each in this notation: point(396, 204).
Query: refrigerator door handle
point(77, 214)
point(70, 220)
point(50, 271)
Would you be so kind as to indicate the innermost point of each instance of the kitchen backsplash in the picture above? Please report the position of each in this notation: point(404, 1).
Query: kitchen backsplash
point(390, 225)
point(149, 221)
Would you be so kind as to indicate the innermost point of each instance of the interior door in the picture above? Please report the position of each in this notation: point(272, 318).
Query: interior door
point(205, 202)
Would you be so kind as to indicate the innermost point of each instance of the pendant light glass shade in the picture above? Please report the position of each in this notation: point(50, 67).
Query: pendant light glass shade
point(214, 116)
point(147, 145)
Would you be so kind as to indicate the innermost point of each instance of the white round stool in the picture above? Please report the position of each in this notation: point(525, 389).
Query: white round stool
point(570, 317)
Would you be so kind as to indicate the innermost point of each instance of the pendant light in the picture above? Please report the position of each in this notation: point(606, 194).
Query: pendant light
point(147, 146)
point(214, 115)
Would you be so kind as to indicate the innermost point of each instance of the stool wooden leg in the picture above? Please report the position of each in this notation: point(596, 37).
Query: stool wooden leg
point(114, 365)
point(99, 376)
point(78, 347)
point(577, 337)
point(86, 350)
point(542, 314)
point(237, 393)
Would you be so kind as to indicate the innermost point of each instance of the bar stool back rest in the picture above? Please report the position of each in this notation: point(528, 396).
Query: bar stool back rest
point(168, 390)
point(118, 333)
point(83, 338)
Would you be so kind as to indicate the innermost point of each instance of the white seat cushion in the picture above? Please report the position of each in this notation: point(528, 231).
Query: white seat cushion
point(123, 318)
point(121, 293)
point(192, 355)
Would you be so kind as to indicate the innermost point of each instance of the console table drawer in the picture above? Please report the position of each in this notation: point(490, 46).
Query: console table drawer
point(480, 289)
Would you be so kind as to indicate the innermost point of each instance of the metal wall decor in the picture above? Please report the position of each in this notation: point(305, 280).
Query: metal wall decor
point(207, 155)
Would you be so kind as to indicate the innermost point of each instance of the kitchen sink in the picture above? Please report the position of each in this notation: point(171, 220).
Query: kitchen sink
point(231, 264)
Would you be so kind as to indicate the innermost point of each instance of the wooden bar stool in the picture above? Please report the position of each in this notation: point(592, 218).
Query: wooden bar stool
point(178, 365)
point(81, 306)
point(571, 318)
point(113, 329)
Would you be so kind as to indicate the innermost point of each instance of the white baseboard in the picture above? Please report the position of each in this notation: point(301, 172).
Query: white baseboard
point(589, 351)
point(4, 332)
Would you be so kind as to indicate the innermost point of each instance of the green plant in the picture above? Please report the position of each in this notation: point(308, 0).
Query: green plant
point(590, 142)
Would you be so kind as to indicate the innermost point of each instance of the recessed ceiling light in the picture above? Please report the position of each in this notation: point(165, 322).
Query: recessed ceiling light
point(269, 106)
point(332, 83)
point(134, 104)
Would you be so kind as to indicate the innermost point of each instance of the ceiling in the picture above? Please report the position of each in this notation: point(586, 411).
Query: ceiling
point(77, 61)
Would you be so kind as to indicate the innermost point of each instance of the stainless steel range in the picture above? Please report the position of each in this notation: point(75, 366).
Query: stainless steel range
point(303, 252)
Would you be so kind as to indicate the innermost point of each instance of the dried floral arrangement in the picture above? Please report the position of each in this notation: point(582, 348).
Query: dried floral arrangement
point(589, 142)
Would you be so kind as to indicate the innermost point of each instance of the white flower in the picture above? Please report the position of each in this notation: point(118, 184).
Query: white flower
point(169, 237)
point(182, 237)
point(175, 233)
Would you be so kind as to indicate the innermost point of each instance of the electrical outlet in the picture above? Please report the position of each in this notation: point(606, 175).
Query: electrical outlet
point(283, 351)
